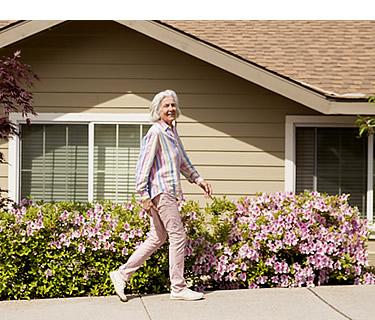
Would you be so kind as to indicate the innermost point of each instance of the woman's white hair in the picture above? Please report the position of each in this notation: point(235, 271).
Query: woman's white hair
point(156, 104)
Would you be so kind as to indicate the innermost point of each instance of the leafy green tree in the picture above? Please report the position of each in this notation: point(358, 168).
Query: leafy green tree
point(366, 125)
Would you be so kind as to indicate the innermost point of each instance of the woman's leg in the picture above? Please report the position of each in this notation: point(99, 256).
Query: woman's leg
point(156, 238)
point(171, 219)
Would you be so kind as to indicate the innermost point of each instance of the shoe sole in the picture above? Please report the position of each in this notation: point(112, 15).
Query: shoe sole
point(186, 299)
point(113, 282)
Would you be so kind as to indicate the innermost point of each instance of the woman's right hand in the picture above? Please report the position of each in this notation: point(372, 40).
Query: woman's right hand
point(147, 205)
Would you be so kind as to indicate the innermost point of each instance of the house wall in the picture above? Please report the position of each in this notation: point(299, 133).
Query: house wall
point(232, 129)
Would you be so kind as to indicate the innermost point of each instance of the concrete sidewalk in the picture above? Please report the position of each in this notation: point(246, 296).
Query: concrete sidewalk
point(326, 303)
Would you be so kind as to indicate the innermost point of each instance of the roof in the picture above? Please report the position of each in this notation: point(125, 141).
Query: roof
point(334, 57)
point(325, 65)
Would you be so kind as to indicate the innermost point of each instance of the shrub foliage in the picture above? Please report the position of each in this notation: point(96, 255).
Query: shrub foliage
point(67, 249)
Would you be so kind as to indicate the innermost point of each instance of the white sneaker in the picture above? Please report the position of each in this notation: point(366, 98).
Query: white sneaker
point(119, 284)
point(186, 294)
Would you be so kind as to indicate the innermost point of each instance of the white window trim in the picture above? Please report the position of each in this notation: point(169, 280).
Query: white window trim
point(370, 169)
point(291, 122)
point(63, 118)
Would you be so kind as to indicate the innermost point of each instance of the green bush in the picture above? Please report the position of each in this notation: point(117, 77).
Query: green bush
point(67, 249)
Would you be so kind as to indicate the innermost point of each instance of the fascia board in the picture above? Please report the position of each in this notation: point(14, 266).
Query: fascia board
point(351, 108)
point(25, 29)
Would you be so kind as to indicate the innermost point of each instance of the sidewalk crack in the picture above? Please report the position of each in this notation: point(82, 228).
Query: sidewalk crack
point(144, 306)
point(328, 304)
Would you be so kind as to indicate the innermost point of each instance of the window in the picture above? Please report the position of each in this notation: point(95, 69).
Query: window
point(332, 160)
point(55, 163)
point(116, 149)
point(324, 153)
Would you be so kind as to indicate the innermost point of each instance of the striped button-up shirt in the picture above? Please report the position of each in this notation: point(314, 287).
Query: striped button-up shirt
point(160, 162)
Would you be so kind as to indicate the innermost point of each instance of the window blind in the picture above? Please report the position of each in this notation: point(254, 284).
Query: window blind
point(54, 162)
point(305, 159)
point(116, 150)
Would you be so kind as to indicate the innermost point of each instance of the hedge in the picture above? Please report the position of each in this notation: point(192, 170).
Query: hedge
point(67, 249)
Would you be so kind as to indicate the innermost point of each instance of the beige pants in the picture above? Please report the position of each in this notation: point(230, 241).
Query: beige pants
point(165, 223)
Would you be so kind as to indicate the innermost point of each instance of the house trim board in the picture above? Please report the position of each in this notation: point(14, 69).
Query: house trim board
point(370, 182)
point(25, 29)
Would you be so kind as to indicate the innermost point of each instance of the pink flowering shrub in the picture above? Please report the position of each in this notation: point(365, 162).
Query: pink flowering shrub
point(279, 240)
point(67, 249)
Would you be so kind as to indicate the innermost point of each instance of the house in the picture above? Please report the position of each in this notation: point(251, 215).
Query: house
point(267, 105)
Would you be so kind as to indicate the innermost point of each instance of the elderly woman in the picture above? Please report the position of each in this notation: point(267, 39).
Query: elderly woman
point(160, 162)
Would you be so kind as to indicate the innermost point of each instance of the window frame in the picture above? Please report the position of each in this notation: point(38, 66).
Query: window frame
point(292, 122)
point(14, 145)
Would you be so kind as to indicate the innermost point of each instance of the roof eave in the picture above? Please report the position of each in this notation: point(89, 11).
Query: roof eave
point(23, 29)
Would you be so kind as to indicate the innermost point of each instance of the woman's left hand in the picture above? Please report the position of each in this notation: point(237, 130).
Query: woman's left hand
point(207, 188)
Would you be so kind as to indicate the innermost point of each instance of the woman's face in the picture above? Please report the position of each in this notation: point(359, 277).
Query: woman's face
point(168, 110)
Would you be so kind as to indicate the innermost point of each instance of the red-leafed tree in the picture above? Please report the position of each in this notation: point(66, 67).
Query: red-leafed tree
point(16, 79)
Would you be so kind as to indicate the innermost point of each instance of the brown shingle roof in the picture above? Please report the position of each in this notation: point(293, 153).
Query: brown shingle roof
point(335, 57)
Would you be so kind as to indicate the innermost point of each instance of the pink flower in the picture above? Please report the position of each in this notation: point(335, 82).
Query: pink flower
point(124, 236)
point(281, 267)
point(249, 253)
point(193, 215)
point(98, 208)
point(64, 216)
point(369, 278)
point(75, 234)
point(242, 276)
point(48, 273)
point(227, 251)
point(107, 217)
point(262, 279)
point(105, 236)
point(143, 214)
point(253, 286)
point(232, 276)
point(95, 245)
point(270, 261)
point(243, 266)
point(139, 233)
point(124, 252)
point(56, 244)
point(81, 248)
